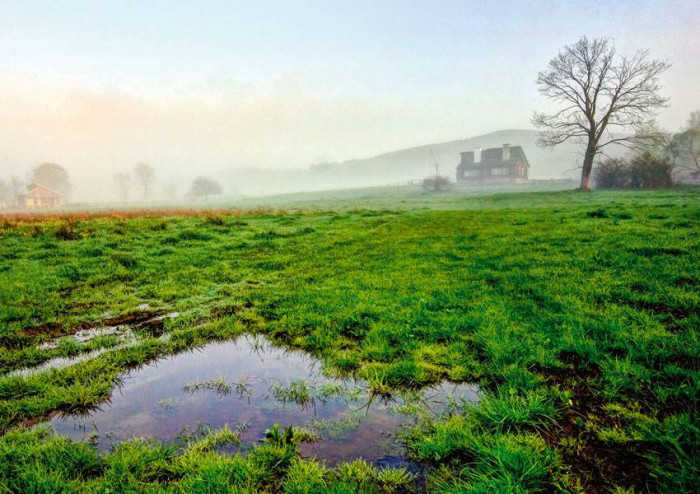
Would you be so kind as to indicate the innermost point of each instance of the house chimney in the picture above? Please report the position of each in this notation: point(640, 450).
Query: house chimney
point(477, 155)
point(466, 157)
point(506, 152)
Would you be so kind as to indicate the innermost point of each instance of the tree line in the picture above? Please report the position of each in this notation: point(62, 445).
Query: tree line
point(143, 178)
point(137, 184)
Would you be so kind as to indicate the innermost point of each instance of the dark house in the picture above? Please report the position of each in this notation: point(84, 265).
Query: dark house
point(505, 164)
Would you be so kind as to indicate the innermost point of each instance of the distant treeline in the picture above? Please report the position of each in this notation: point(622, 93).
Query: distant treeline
point(142, 180)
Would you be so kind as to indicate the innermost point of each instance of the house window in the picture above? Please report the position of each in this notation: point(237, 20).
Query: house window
point(500, 171)
point(471, 173)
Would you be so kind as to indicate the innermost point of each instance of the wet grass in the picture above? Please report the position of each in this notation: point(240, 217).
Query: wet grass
point(305, 394)
point(219, 384)
point(578, 315)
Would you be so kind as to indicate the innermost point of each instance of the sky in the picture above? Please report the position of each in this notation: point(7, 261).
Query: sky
point(198, 86)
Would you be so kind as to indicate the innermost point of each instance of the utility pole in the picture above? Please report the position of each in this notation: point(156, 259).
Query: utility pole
point(435, 162)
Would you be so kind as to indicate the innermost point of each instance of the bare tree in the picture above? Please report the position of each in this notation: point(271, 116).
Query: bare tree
point(205, 187)
point(600, 93)
point(16, 185)
point(5, 194)
point(145, 175)
point(122, 182)
point(684, 147)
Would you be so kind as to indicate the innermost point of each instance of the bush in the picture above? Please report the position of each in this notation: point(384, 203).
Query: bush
point(644, 171)
point(437, 183)
point(650, 172)
point(613, 173)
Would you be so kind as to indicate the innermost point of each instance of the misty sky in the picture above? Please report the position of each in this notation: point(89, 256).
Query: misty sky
point(195, 86)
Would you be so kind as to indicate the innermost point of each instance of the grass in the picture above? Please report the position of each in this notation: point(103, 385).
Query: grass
point(578, 315)
point(305, 394)
point(340, 427)
point(243, 387)
point(219, 384)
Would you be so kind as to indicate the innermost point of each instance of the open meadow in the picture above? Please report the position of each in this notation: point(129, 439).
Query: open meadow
point(558, 329)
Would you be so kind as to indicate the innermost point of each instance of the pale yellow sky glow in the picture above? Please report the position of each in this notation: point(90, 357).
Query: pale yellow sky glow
point(198, 88)
point(212, 128)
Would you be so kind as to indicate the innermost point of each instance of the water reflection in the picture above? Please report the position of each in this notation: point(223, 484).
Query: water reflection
point(249, 381)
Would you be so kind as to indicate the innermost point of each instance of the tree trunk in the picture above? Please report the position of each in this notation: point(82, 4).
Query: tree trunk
point(587, 169)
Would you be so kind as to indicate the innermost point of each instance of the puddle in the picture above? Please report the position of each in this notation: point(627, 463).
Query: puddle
point(246, 382)
point(85, 335)
point(125, 334)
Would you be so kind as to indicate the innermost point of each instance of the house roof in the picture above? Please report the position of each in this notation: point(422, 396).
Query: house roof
point(34, 190)
point(493, 157)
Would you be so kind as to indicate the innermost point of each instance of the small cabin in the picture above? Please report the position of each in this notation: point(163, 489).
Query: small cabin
point(39, 196)
point(505, 164)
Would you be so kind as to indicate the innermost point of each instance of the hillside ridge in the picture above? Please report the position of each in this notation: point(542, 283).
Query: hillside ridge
point(405, 165)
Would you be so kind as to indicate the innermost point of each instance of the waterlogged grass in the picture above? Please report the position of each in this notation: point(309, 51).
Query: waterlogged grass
point(37, 461)
point(577, 314)
point(219, 384)
point(305, 394)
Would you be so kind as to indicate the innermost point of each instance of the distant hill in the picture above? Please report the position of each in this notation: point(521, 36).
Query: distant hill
point(404, 165)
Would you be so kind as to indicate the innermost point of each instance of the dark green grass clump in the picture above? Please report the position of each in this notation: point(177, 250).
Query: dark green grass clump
point(578, 315)
point(37, 461)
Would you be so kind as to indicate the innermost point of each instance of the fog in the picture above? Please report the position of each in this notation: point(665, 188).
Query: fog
point(222, 90)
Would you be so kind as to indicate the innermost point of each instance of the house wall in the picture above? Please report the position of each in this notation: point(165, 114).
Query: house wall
point(502, 164)
point(496, 172)
point(40, 197)
point(37, 202)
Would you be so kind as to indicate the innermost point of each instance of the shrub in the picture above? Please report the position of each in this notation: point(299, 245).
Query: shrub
point(644, 171)
point(436, 184)
point(650, 172)
point(612, 173)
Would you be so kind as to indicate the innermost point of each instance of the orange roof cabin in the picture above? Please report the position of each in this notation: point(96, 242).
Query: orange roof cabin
point(39, 196)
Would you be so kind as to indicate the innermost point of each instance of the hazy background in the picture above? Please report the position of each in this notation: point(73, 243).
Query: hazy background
point(219, 87)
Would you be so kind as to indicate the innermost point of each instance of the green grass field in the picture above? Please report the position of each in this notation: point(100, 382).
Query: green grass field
point(576, 313)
